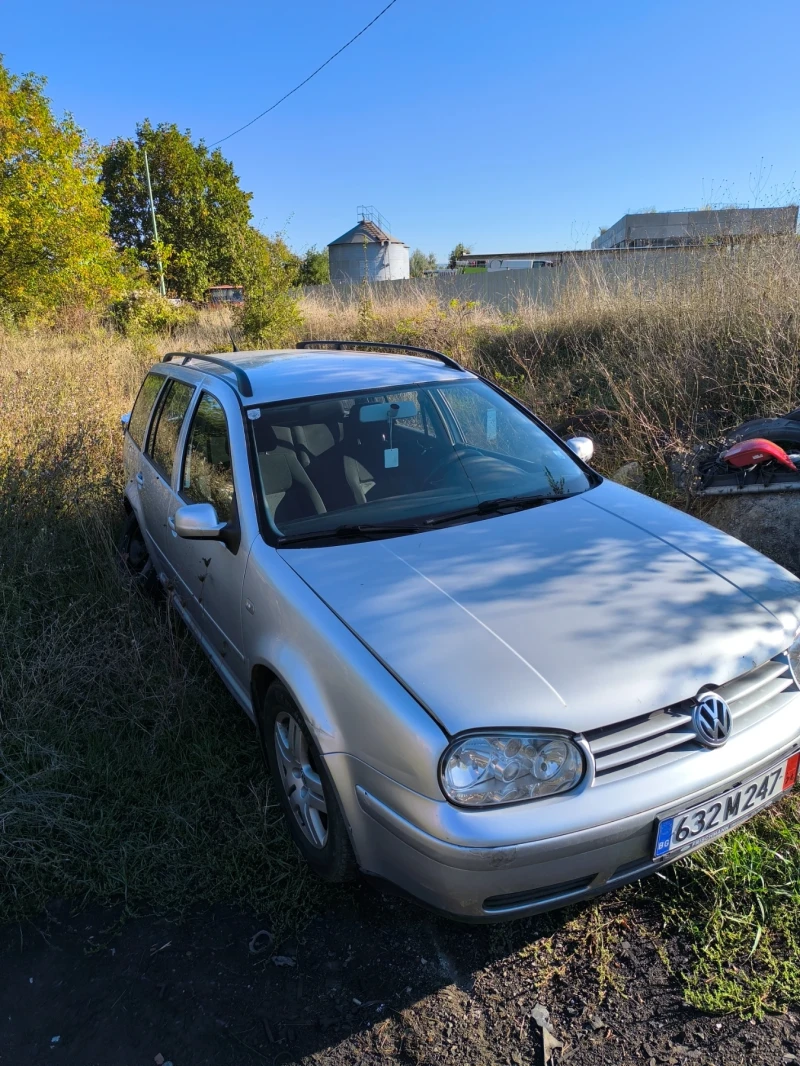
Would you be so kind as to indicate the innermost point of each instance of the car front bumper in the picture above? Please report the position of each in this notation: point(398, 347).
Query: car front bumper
point(464, 864)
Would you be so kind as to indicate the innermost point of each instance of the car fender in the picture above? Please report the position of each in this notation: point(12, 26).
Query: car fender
point(351, 702)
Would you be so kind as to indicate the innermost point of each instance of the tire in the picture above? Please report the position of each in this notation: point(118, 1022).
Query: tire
point(784, 432)
point(134, 558)
point(304, 787)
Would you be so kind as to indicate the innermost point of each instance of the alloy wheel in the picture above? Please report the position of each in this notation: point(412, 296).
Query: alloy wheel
point(300, 779)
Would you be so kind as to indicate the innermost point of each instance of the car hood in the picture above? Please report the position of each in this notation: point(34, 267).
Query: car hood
point(573, 615)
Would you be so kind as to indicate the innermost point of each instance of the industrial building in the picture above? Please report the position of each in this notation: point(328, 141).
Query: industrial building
point(368, 251)
point(678, 229)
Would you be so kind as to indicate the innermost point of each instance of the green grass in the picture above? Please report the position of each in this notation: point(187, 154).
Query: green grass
point(737, 902)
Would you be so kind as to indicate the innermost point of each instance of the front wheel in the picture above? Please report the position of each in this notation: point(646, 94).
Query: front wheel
point(134, 557)
point(305, 790)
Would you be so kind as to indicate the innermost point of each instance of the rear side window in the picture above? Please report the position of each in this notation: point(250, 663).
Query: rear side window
point(166, 427)
point(143, 406)
point(207, 475)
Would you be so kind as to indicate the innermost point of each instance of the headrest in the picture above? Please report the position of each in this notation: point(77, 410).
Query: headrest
point(320, 412)
point(356, 430)
point(276, 474)
point(266, 438)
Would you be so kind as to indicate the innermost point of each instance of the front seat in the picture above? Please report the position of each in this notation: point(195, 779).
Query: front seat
point(344, 472)
point(288, 490)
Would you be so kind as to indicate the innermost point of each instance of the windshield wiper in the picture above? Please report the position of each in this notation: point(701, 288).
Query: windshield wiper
point(502, 503)
point(377, 530)
point(347, 532)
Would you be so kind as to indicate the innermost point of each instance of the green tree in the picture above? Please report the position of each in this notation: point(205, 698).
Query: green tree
point(315, 268)
point(54, 244)
point(202, 213)
point(419, 262)
point(458, 252)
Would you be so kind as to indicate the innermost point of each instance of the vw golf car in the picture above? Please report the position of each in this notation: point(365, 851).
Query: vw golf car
point(480, 672)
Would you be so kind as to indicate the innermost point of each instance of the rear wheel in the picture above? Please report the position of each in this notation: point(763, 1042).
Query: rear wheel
point(305, 790)
point(134, 557)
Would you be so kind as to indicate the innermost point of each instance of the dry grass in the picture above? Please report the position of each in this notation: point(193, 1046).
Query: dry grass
point(649, 366)
point(125, 769)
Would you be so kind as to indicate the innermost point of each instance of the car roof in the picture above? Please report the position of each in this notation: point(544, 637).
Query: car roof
point(296, 374)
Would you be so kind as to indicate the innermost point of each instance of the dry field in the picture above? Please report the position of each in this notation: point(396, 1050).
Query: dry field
point(647, 366)
point(126, 773)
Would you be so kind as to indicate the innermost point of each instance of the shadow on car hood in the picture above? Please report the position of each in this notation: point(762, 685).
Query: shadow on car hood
point(585, 612)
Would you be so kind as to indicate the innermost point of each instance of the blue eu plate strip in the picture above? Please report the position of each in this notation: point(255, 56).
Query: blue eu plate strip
point(664, 837)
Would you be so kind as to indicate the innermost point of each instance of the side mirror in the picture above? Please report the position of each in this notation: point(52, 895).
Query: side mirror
point(197, 521)
point(583, 447)
point(124, 421)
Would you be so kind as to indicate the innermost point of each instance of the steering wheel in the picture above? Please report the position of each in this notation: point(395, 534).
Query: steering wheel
point(444, 464)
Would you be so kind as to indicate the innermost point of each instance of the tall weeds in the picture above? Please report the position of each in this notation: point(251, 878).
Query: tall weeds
point(649, 364)
point(126, 770)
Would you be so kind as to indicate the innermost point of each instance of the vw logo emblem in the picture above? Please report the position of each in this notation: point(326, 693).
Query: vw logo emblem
point(711, 720)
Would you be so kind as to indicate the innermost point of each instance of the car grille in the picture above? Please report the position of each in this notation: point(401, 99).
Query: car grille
point(665, 736)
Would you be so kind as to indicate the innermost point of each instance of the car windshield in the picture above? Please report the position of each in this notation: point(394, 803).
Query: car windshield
point(403, 459)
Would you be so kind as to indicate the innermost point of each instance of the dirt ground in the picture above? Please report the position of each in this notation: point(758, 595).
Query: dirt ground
point(373, 980)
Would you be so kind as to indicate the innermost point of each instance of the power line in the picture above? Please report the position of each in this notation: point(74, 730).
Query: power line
point(228, 136)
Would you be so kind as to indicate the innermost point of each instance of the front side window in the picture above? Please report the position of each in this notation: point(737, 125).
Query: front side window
point(143, 406)
point(415, 457)
point(487, 421)
point(207, 474)
point(166, 426)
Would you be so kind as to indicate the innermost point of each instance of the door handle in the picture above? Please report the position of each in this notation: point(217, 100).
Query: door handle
point(140, 480)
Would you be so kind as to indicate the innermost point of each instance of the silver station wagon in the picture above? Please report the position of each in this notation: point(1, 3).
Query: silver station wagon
point(481, 673)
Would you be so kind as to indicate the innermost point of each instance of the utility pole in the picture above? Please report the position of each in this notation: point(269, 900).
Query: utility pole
point(162, 286)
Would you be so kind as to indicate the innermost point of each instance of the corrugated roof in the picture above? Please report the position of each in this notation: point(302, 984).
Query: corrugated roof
point(365, 230)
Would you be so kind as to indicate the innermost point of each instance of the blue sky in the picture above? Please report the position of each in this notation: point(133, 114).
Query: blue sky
point(521, 125)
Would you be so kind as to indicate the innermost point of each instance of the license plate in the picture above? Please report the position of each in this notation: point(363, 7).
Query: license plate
point(714, 817)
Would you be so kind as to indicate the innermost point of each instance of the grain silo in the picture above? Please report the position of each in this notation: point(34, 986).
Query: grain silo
point(368, 250)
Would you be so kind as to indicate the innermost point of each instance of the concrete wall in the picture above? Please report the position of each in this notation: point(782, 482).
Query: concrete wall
point(506, 288)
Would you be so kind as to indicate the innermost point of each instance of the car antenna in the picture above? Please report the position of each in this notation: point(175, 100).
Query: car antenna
point(233, 342)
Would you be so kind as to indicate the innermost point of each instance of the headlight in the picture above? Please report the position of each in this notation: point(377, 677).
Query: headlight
point(478, 771)
point(793, 653)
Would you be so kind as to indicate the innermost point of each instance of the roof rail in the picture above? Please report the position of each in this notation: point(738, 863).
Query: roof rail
point(242, 380)
point(371, 346)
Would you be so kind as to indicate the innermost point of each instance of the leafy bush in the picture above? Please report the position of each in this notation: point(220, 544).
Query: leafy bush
point(270, 317)
point(315, 268)
point(146, 312)
point(419, 262)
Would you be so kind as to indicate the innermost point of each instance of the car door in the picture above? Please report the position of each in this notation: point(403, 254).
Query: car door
point(215, 470)
point(138, 472)
point(159, 462)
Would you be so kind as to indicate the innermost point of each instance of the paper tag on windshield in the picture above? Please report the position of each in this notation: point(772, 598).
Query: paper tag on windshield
point(491, 424)
point(391, 457)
